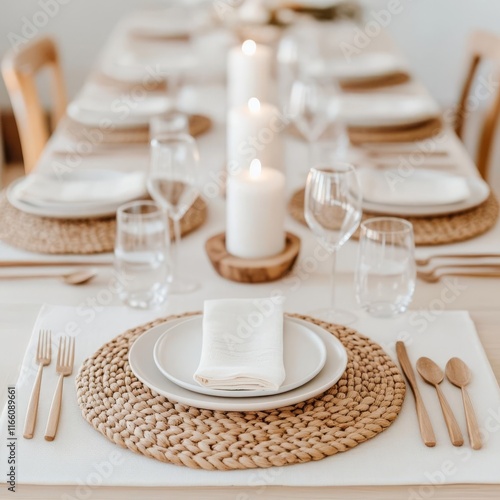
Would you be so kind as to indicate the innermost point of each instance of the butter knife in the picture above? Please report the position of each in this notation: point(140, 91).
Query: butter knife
point(424, 422)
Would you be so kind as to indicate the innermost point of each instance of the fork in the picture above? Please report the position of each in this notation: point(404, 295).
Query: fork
point(64, 367)
point(483, 271)
point(43, 355)
point(426, 261)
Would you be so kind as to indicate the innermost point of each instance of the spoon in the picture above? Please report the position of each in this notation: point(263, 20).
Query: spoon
point(75, 278)
point(458, 374)
point(433, 375)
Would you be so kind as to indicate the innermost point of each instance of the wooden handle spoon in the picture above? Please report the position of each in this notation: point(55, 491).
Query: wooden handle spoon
point(458, 374)
point(433, 375)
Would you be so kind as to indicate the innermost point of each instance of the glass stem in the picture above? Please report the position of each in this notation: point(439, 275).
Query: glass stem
point(333, 283)
point(175, 248)
point(310, 156)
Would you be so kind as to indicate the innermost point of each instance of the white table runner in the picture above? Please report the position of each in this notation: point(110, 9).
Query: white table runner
point(80, 455)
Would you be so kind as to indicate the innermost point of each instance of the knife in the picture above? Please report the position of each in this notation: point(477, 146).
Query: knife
point(424, 422)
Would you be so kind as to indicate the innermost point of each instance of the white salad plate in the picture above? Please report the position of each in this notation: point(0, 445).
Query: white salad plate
point(178, 351)
point(422, 193)
point(142, 364)
point(384, 110)
point(76, 210)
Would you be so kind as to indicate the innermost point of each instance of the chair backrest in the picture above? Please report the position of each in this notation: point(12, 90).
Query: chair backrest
point(482, 46)
point(19, 69)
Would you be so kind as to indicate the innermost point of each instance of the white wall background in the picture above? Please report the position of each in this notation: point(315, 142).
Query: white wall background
point(432, 34)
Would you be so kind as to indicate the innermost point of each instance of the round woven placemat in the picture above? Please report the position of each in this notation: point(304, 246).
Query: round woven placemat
point(437, 230)
point(363, 403)
point(72, 236)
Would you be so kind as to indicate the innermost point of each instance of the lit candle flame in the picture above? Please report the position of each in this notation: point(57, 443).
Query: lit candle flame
point(255, 168)
point(249, 47)
point(254, 104)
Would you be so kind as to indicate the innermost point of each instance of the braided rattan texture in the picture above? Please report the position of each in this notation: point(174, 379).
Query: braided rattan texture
point(438, 230)
point(72, 236)
point(365, 401)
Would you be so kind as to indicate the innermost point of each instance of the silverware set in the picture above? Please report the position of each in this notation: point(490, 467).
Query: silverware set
point(473, 265)
point(458, 373)
point(64, 367)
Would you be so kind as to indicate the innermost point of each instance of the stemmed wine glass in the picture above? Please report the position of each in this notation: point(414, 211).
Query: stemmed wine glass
point(308, 108)
point(333, 212)
point(172, 183)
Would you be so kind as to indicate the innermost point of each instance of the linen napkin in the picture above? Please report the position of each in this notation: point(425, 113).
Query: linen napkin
point(421, 187)
point(242, 345)
point(104, 187)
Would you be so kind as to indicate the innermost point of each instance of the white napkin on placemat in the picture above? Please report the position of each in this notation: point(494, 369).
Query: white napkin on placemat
point(103, 187)
point(420, 187)
point(242, 346)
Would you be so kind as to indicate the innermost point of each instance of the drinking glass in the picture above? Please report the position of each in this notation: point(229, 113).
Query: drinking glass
point(333, 212)
point(141, 254)
point(385, 273)
point(170, 122)
point(308, 108)
point(172, 183)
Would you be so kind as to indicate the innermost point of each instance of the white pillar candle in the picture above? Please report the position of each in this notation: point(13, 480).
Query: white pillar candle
point(249, 73)
point(254, 132)
point(255, 212)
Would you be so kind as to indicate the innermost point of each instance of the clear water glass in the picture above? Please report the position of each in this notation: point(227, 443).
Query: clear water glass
point(142, 254)
point(386, 272)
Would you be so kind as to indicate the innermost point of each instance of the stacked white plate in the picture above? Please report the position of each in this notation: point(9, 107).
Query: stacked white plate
point(77, 195)
point(166, 357)
point(419, 193)
point(360, 68)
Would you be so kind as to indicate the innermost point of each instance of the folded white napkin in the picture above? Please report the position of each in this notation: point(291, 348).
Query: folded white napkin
point(421, 187)
point(242, 346)
point(99, 186)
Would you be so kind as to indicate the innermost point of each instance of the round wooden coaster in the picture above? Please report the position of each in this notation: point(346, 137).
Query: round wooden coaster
point(73, 236)
point(363, 403)
point(438, 230)
point(252, 270)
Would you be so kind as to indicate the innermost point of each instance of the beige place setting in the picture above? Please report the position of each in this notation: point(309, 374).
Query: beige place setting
point(243, 264)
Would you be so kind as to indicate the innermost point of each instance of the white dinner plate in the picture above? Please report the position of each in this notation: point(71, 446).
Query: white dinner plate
point(81, 210)
point(121, 113)
point(478, 189)
point(142, 364)
point(178, 351)
point(384, 110)
point(359, 68)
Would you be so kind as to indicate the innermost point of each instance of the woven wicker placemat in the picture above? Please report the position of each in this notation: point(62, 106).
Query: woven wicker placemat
point(363, 403)
point(438, 230)
point(72, 236)
point(198, 124)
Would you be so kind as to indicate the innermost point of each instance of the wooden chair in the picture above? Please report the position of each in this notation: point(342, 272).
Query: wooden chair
point(482, 46)
point(19, 69)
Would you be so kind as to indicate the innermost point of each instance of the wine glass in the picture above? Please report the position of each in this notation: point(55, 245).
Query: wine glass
point(333, 212)
point(172, 183)
point(308, 109)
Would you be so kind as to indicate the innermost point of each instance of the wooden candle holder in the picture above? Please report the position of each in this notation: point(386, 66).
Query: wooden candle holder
point(252, 270)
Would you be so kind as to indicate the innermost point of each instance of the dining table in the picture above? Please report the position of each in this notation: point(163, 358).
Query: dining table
point(360, 473)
